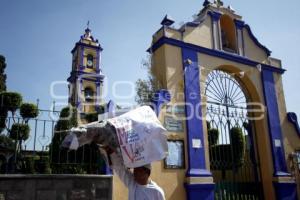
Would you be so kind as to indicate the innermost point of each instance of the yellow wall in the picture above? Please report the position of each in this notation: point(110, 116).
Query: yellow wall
point(89, 107)
point(158, 66)
point(252, 51)
point(200, 35)
point(171, 33)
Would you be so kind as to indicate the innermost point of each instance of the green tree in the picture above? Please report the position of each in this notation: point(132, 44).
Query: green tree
point(2, 74)
point(86, 159)
point(146, 88)
point(3, 111)
point(229, 156)
point(6, 142)
point(67, 119)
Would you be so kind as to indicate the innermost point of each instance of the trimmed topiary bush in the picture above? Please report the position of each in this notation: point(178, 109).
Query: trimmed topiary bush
point(43, 165)
point(11, 101)
point(19, 131)
point(213, 136)
point(67, 119)
point(229, 156)
point(239, 146)
point(29, 110)
point(2, 123)
point(208, 125)
point(6, 142)
point(29, 167)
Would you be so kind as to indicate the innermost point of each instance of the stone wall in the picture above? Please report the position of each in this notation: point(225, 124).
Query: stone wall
point(55, 187)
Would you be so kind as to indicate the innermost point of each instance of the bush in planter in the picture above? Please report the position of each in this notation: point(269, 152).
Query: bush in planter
point(213, 135)
point(29, 110)
point(67, 119)
point(43, 165)
point(239, 146)
point(19, 131)
point(29, 167)
point(3, 116)
point(229, 156)
point(6, 142)
point(10, 101)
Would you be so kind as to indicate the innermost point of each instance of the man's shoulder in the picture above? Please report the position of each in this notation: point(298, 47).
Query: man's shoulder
point(156, 187)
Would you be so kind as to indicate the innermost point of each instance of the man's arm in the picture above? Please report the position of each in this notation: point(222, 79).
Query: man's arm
point(119, 168)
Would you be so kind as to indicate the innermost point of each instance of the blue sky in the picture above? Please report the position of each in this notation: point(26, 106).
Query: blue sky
point(36, 37)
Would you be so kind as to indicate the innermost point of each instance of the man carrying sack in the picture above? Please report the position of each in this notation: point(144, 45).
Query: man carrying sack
point(132, 140)
point(139, 184)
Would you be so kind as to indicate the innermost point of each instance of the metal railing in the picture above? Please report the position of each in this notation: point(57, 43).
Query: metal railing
point(41, 152)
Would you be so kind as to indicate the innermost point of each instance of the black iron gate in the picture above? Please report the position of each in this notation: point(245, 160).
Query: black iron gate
point(231, 136)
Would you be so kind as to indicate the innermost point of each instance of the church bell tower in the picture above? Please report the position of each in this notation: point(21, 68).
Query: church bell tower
point(86, 78)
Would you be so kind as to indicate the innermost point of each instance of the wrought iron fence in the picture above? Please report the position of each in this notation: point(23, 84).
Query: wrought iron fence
point(231, 135)
point(41, 152)
point(232, 157)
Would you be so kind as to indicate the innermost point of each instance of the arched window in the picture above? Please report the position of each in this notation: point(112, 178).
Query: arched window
point(88, 94)
point(228, 34)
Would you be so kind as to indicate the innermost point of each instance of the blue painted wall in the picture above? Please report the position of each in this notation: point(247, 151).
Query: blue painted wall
point(279, 162)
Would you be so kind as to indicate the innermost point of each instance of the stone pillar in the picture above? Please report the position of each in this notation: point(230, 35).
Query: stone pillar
point(199, 183)
point(216, 32)
point(240, 37)
point(284, 186)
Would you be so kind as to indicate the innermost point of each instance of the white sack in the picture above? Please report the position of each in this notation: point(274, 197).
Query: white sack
point(141, 136)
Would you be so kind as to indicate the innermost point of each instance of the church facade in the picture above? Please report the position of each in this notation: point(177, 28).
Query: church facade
point(229, 133)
